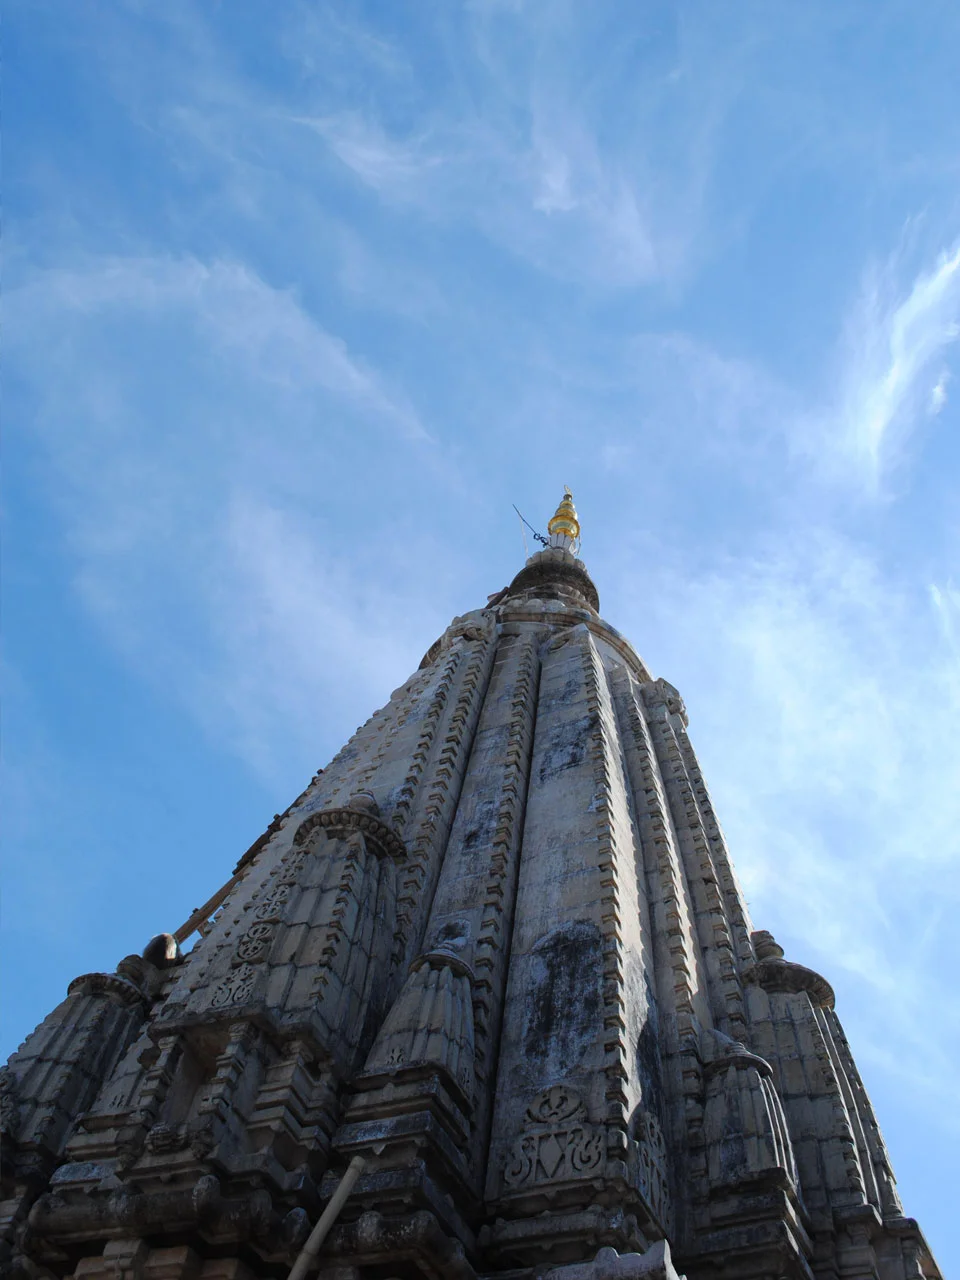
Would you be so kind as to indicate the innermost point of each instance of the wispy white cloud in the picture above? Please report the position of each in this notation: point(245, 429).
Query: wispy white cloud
point(236, 312)
point(302, 631)
point(198, 492)
point(938, 396)
point(371, 279)
point(587, 202)
point(886, 377)
point(897, 339)
point(363, 145)
point(521, 144)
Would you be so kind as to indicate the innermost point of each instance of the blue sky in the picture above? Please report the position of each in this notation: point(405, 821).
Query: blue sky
point(300, 298)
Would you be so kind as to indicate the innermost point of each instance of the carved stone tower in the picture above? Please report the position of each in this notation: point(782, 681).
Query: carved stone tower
point(488, 989)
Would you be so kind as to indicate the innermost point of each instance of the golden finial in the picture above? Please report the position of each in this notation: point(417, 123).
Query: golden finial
point(564, 527)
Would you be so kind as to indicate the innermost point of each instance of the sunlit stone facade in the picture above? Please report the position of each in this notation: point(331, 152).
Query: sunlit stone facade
point(494, 963)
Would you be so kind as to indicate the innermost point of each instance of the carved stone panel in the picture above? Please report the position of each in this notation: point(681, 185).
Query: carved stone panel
point(557, 1143)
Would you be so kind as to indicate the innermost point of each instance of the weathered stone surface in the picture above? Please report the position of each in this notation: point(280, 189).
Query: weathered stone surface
point(498, 950)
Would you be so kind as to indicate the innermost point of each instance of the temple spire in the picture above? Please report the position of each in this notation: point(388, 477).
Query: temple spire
point(497, 952)
point(564, 527)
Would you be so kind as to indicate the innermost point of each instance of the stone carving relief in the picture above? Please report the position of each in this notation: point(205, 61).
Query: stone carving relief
point(254, 944)
point(163, 1138)
point(557, 1143)
point(236, 988)
point(341, 821)
point(255, 941)
point(652, 1178)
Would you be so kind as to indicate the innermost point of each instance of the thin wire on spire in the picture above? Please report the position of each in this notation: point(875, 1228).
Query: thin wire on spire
point(538, 536)
point(523, 535)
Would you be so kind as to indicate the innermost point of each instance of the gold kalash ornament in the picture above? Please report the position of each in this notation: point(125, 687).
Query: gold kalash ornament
point(564, 522)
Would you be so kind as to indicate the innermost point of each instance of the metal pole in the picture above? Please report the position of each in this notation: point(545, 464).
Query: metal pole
point(308, 1254)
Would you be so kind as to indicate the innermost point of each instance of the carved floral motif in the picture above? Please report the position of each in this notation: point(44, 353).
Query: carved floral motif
point(254, 943)
point(557, 1143)
point(236, 987)
point(557, 1103)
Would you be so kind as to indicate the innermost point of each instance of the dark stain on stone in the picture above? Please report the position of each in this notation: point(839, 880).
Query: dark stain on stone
point(566, 747)
point(564, 1009)
point(649, 1069)
point(453, 932)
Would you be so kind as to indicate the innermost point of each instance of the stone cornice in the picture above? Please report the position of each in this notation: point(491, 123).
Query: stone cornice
point(105, 984)
point(783, 975)
point(575, 617)
point(440, 959)
point(340, 821)
point(555, 573)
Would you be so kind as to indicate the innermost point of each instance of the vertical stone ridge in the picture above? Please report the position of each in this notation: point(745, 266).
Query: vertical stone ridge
point(871, 1188)
point(788, 1028)
point(426, 846)
point(412, 1105)
point(421, 752)
point(423, 1085)
point(215, 1102)
point(668, 890)
point(51, 1081)
point(359, 883)
point(875, 1147)
point(715, 936)
point(843, 1131)
point(675, 957)
point(576, 1158)
point(430, 1023)
point(734, 901)
point(500, 888)
point(609, 856)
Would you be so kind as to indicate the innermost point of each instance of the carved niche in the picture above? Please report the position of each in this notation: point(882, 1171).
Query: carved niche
point(557, 1143)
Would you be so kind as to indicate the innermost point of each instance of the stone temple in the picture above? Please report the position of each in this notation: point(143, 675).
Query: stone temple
point(485, 1001)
